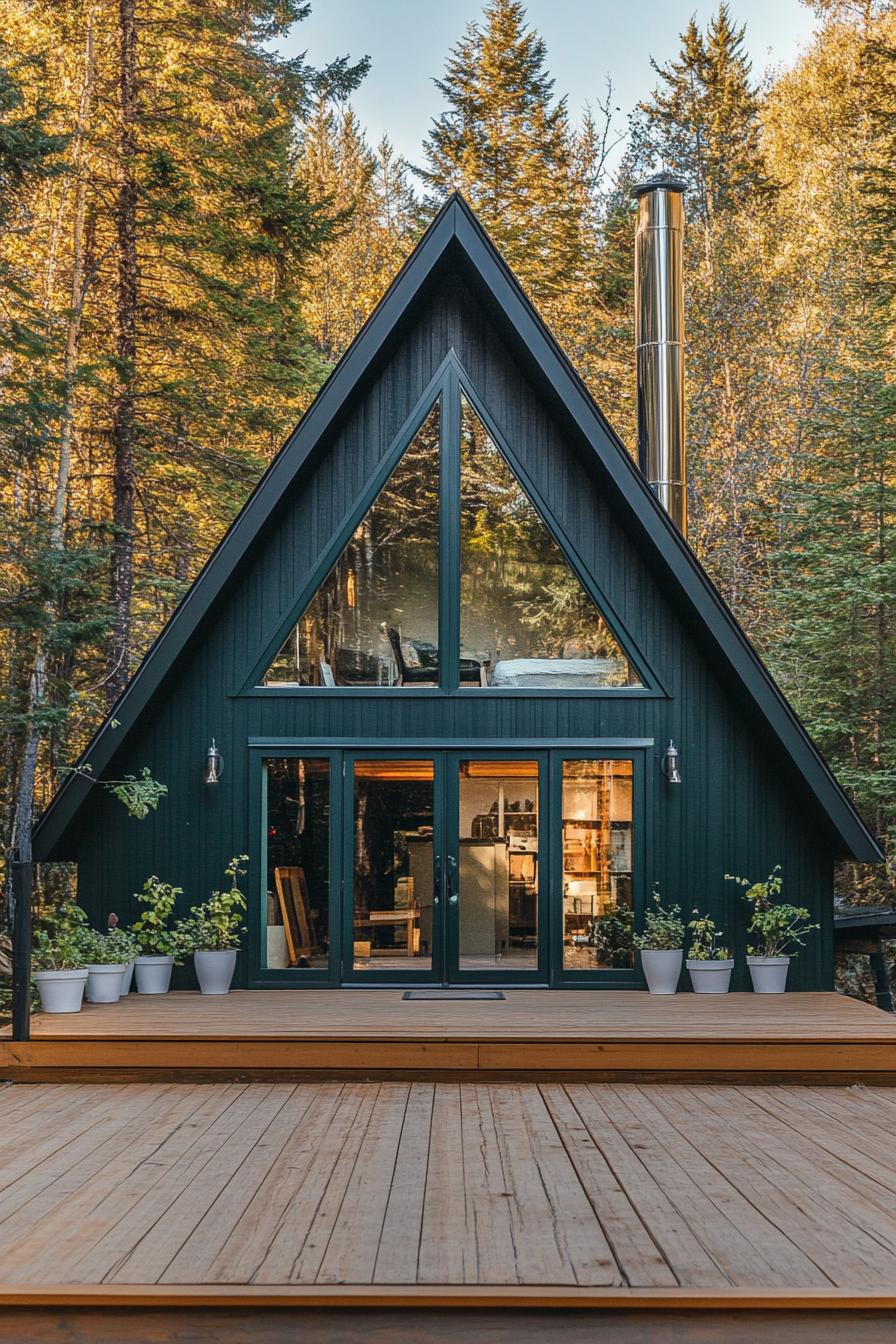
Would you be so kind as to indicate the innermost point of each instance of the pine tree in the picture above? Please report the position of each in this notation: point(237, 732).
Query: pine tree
point(507, 145)
point(703, 121)
point(537, 184)
point(377, 222)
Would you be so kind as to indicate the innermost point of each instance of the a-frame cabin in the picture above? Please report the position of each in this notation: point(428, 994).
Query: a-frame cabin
point(443, 651)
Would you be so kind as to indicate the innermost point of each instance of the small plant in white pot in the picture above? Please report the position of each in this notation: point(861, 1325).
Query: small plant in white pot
point(127, 949)
point(106, 964)
point(58, 961)
point(661, 946)
point(158, 942)
point(212, 932)
point(779, 931)
point(709, 963)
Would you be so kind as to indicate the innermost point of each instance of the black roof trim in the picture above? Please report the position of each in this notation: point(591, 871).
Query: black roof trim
point(456, 226)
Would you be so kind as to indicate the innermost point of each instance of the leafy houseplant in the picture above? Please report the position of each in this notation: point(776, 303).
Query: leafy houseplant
point(709, 963)
point(212, 931)
point(157, 938)
point(661, 945)
point(60, 970)
point(780, 931)
point(611, 934)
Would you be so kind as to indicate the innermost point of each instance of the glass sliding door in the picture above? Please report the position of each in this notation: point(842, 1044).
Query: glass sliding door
point(597, 814)
point(497, 860)
point(393, 869)
point(296, 925)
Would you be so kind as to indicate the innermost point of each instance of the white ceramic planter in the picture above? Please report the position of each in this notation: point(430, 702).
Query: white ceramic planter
point(214, 970)
point(769, 974)
point(61, 991)
point(710, 977)
point(662, 970)
point(104, 983)
point(126, 979)
point(153, 974)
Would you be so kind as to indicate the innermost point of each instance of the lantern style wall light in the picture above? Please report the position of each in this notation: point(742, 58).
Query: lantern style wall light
point(670, 764)
point(214, 764)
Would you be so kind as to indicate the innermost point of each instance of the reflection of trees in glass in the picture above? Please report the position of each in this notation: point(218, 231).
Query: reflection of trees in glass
point(519, 596)
point(385, 580)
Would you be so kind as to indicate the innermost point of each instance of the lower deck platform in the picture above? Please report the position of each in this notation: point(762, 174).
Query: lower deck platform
point(612, 1197)
point(529, 1034)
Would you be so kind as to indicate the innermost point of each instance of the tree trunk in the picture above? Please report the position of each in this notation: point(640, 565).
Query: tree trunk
point(37, 683)
point(123, 427)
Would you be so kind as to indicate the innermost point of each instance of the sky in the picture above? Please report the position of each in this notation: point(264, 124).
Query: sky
point(408, 40)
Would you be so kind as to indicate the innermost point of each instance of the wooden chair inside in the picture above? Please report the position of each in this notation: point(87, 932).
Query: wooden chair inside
point(295, 910)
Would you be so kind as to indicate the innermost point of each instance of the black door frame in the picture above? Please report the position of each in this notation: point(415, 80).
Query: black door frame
point(550, 752)
point(447, 897)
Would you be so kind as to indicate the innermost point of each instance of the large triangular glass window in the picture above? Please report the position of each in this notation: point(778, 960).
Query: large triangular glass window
point(374, 621)
point(526, 619)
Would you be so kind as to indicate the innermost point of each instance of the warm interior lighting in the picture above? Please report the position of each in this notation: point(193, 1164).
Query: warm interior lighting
point(412, 770)
point(499, 769)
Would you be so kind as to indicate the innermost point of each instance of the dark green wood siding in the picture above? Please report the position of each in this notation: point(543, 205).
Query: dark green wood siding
point(742, 807)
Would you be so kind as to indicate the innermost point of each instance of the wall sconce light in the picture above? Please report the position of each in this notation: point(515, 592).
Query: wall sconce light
point(214, 764)
point(670, 763)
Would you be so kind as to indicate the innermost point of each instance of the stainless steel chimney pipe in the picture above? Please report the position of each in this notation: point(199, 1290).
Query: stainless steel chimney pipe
point(659, 341)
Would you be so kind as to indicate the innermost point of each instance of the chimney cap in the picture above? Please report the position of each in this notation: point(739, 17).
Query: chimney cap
point(663, 181)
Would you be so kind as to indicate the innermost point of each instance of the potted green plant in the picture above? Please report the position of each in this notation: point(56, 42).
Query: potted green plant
point(661, 945)
point(60, 972)
point(709, 963)
point(212, 932)
point(611, 934)
point(106, 964)
point(156, 936)
point(779, 931)
point(128, 950)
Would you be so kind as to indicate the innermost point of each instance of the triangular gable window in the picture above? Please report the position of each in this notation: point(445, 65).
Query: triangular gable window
point(374, 621)
point(525, 616)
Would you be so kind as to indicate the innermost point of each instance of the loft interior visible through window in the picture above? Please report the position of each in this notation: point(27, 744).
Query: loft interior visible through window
point(374, 621)
point(525, 616)
point(526, 619)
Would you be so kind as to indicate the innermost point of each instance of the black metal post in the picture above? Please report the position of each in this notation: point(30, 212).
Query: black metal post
point(22, 874)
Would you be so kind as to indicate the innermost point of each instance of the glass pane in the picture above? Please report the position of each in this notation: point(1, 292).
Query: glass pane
point(374, 621)
point(526, 619)
point(393, 865)
point(298, 863)
point(498, 857)
point(597, 865)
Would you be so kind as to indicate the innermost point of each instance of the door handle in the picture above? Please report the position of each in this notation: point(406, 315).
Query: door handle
point(437, 878)
point(452, 880)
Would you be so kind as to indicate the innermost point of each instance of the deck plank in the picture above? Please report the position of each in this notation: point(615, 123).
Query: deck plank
point(235, 1251)
point(446, 1244)
point(351, 1251)
point(634, 1248)
point(571, 1187)
point(399, 1243)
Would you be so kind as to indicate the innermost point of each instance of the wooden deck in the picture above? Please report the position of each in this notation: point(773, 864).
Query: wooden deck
point(532, 1034)
point(346, 1193)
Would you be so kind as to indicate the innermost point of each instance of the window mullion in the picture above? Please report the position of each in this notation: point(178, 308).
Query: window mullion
point(449, 534)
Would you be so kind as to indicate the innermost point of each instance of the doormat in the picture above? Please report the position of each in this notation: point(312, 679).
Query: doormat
point(452, 994)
